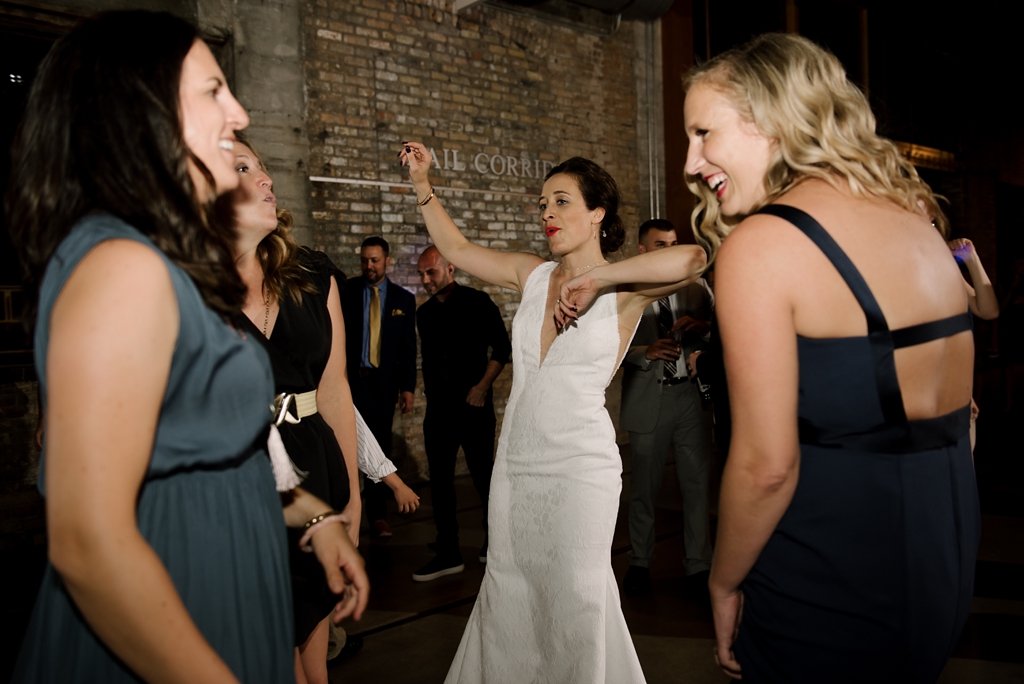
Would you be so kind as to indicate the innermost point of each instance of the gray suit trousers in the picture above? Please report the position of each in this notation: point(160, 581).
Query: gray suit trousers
point(685, 427)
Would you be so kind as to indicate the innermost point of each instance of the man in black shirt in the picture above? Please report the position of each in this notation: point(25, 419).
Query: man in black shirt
point(457, 325)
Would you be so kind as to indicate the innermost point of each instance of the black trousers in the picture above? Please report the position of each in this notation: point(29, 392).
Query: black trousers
point(447, 426)
point(379, 413)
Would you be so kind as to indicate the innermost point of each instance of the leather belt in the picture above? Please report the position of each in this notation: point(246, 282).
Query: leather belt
point(304, 404)
point(674, 381)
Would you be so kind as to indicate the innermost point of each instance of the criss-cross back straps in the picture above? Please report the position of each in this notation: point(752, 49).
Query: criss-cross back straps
point(879, 336)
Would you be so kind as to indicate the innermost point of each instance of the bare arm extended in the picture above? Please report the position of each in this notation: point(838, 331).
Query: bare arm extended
point(647, 277)
point(506, 269)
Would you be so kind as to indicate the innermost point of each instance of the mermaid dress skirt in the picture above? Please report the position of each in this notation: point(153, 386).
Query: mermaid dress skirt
point(548, 609)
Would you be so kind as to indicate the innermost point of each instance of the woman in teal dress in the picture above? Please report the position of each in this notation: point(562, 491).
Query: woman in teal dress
point(167, 550)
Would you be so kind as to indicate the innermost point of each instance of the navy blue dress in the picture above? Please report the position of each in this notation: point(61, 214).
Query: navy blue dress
point(869, 575)
point(208, 506)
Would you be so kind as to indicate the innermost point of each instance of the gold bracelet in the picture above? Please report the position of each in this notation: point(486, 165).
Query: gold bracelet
point(318, 518)
point(427, 198)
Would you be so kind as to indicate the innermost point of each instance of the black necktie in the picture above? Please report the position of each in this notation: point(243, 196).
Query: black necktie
point(665, 323)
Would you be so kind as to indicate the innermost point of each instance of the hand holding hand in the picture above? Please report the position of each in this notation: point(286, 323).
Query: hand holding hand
point(727, 608)
point(574, 297)
point(963, 250)
point(477, 396)
point(691, 363)
point(407, 499)
point(416, 156)
point(405, 402)
point(665, 349)
point(689, 323)
point(343, 567)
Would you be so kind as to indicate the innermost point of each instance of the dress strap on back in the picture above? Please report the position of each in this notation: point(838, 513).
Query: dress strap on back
point(935, 330)
point(881, 339)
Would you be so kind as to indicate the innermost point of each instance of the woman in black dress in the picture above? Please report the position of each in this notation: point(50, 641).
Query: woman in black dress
point(849, 521)
point(292, 307)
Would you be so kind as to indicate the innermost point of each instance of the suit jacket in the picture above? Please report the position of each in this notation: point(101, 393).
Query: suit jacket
point(397, 336)
point(641, 386)
point(711, 369)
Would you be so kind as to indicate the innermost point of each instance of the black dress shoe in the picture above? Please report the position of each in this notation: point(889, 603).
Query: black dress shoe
point(443, 564)
point(637, 582)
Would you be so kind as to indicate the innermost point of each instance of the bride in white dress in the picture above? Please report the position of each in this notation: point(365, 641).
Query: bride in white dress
point(548, 608)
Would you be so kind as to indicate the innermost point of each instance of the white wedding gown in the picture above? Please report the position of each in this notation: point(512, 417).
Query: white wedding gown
point(548, 609)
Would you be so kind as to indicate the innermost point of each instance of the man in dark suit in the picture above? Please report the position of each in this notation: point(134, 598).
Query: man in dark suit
point(662, 410)
point(380, 340)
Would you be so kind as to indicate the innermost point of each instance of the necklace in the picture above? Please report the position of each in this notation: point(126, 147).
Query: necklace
point(266, 317)
point(580, 268)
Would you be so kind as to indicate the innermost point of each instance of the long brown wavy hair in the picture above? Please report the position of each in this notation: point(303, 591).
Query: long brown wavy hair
point(278, 252)
point(102, 132)
point(798, 95)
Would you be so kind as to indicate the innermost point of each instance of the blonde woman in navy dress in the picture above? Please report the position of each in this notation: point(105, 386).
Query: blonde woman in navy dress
point(849, 520)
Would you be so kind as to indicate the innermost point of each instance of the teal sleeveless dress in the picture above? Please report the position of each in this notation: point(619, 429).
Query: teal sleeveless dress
point(208, 506)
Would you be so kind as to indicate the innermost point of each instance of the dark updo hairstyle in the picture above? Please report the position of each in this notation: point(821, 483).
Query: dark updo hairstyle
point(102, 132)
point(599, 189)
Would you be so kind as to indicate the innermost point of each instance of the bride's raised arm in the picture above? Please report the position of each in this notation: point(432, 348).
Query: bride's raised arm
point(507, 269)
point(646, 277)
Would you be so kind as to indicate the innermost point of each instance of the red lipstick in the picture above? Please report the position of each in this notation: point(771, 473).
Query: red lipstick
point(551, 230)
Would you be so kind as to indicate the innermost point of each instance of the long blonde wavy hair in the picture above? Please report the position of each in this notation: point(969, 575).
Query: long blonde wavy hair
point(278, 252)
point(798, 95)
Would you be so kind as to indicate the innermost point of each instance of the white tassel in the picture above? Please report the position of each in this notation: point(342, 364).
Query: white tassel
point(286, 475)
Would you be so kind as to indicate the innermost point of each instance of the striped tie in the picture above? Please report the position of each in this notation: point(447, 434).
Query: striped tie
point(665, 323)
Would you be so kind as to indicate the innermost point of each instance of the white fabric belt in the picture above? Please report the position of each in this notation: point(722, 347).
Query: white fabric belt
point(304, 405)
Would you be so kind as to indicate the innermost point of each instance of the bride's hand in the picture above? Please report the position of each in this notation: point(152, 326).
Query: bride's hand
point(416, 156)
point(575, 296)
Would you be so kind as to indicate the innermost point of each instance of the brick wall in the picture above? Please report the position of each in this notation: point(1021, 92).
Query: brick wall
point(499, 96)
point(21, 506)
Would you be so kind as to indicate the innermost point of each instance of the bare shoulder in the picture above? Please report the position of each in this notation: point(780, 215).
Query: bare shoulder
point(525, 264)
point(762, 244)
point(117, 282)
point(120, 259)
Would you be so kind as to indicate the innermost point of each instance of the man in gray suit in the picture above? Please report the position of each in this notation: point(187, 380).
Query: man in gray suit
point(662, 409)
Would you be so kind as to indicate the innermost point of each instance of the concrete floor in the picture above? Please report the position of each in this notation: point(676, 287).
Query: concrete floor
point(412, 629)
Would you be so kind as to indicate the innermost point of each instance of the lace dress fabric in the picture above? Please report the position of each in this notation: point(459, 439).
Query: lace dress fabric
point(548, 608)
